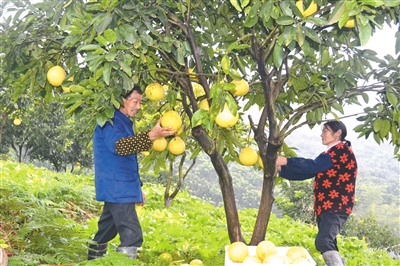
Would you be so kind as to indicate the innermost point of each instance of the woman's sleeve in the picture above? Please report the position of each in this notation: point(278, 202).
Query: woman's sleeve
point(301, 169)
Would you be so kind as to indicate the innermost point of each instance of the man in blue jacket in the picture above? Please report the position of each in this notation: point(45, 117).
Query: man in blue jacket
point(117, 179)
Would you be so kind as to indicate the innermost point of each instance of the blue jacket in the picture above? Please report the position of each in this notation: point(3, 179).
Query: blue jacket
point(117, 177)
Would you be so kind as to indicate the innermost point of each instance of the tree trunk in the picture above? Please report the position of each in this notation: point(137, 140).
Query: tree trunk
point(225, 182)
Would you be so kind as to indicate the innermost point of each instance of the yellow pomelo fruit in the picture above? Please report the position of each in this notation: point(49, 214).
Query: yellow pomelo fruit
point(248, 156)
point(171, 119)
point(165, 258)
point(238, 251)
point(226, 118)
point(176, 146)
point(274, 259)
point(287, 259)
point(312, 8)
point(350, 23)
point(260, 162)
point(300, 261)
point(242, 87)
point(67, 89)
point(155, 91)
point(180, 130)
point(299, 5)
point(196, 262)
point(296, 252)
point(265, 248)
point(252, 260)
point(159, 144)
point(56, 75)
point(198, 89)
point(204, 105)
point(193, 77)
point(17, 121)
point(145, 153)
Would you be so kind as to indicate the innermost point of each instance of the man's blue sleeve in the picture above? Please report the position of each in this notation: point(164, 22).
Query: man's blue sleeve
point(301, 169)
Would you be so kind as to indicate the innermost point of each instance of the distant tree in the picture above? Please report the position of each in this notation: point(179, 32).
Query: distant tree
point(295, 199)
point(377, 235)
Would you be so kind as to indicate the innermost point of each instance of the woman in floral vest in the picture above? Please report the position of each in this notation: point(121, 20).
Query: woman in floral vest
point(335, 172)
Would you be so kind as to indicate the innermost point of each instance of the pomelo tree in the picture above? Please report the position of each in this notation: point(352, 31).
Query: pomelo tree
point(302, 68)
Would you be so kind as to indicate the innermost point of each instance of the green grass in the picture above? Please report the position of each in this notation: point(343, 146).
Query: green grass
point(48, 218)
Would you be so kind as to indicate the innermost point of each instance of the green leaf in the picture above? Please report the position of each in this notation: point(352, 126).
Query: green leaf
point(277, 55)
point(285, 20)
point(385, 128)
point(365, 33)
point(125, 67)
point(88, 47)
point(107, 73)
point(377, 124)
point(392, 98)
point(226, 64)
point(339, 86)
point(337, 13)
point(110, 36)
point(236, 5)
point(312, 34)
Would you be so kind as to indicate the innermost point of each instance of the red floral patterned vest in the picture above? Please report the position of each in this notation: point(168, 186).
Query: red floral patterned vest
point(334, 189)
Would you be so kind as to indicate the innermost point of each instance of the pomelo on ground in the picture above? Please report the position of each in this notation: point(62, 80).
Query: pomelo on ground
point(165, 258)
point(171, 119)
point(196, 262)
point(238, 251)
point(56, 75)
point(248, 156)
point(155, 91)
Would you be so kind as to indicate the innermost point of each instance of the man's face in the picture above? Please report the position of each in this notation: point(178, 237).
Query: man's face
point(132, 104)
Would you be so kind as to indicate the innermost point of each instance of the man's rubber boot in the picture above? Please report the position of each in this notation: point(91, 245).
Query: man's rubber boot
point(97, 251)
point(130, 251)
point(332, 258)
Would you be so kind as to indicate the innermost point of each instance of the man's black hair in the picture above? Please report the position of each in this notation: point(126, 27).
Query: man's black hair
point(135, 88)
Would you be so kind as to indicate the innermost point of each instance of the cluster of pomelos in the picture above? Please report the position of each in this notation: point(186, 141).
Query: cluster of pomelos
point(266, 253)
